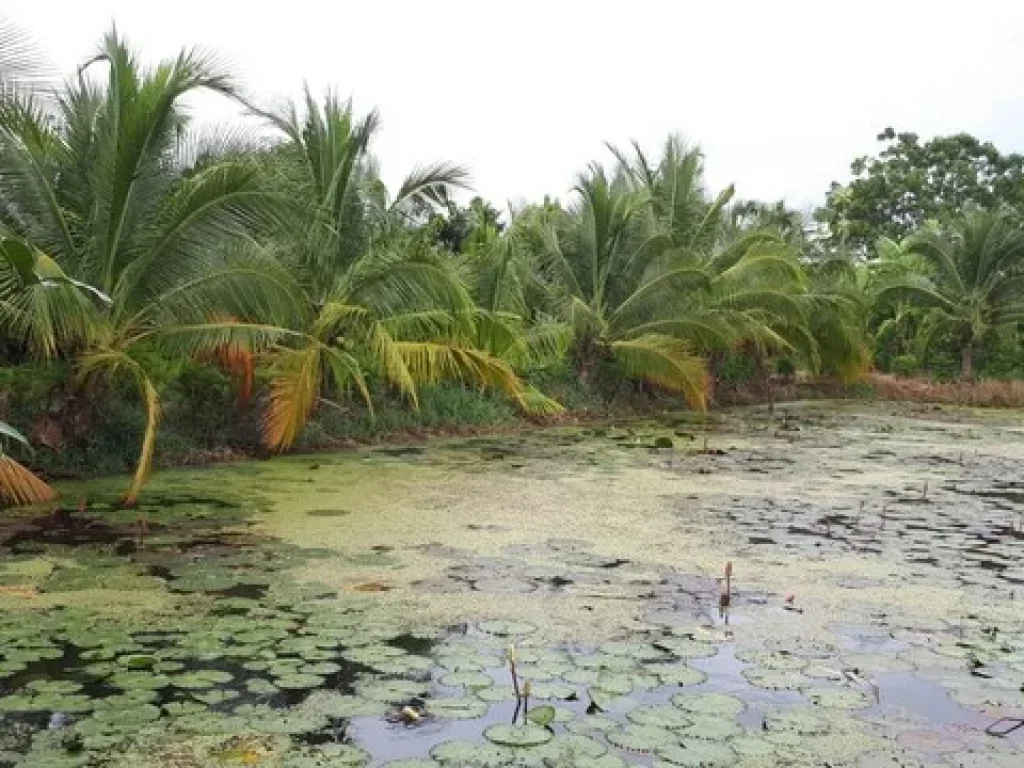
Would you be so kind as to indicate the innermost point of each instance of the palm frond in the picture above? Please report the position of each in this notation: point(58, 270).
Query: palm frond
point(293, 392)
point(18, 486)
point(431, 184)
point(666, 362)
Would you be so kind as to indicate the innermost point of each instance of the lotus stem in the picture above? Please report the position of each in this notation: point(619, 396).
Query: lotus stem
point(512, 668)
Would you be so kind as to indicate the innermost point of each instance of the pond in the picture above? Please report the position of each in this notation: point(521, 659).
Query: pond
point(364, 609)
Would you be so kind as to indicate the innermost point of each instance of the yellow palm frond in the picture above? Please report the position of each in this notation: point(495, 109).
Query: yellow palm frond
point(19, 486)
point(432, 362)
point(536, 403)
point(391, 361)
point(293, 391)
point(666, 362)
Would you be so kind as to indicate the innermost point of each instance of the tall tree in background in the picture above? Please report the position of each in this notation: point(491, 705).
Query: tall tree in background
point(970, 280)
point(909, 182)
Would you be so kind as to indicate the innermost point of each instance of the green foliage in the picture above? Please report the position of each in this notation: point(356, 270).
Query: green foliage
point(909, 182)
point(734, 369)
point(905, 365)
point(216, 292)
point(969, 281)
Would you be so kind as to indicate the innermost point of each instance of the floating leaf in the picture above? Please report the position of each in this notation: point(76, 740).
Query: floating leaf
point(660, 716)
point(541, 715)
point(464, 708)
point(466, 753)
point(699, 754)
point(640, 738)
point(838, 698)
point(298, 681)
point(708, 704)
point(202, 678)
point(467, 680)
point(518, 735)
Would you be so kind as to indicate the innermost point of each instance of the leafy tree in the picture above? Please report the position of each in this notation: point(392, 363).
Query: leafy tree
point(969, 278)
point(756, 295)
point(375, 297)
point(646, 275)
point(603, 282)
point(909, 182)
point(463, 228)
point(97, 190)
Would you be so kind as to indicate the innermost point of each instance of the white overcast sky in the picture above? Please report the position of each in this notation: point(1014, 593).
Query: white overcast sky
point(780, 94)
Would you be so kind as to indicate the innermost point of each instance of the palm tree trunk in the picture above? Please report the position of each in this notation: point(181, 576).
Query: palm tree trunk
point(967, 361)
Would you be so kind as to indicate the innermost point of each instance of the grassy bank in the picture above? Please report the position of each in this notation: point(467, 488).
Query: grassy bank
point(98, 433)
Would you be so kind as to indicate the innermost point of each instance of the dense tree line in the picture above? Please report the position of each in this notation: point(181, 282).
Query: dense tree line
point(127, 240)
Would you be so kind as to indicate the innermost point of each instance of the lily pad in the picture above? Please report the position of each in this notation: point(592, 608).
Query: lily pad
point(54, 687)
point(261, 686)
point(323, 668)
point(541, 716)
point(467, 680)
point(591, 724)
point(753, 747)
point(838, 698)
point(709, 704)
point(687, 648)
point(775, 679)
point(335, 705)
point(799, 720)
point(496, 693)
point(463, 708)
point(518, 735)
point(660, 716)
point(677, 674)
point(710, 728)
point(201, 678)
point(699, 754)
point(298, 681)
point(641, 738)
point(469, 753)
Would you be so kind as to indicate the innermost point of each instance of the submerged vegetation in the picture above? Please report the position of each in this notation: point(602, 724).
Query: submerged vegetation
point(136, 250)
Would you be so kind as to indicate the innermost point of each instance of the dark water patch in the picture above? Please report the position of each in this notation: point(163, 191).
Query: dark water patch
point(400, 451)
point(245, 591)
point(419, 645)
point(160, 572)
point(328, 512)
point(56, 529)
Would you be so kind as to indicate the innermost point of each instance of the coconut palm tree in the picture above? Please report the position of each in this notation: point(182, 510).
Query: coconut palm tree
point(970, 280)
point(95, 190)
point(753, 290)
point(375, 298)
point(605, 280)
